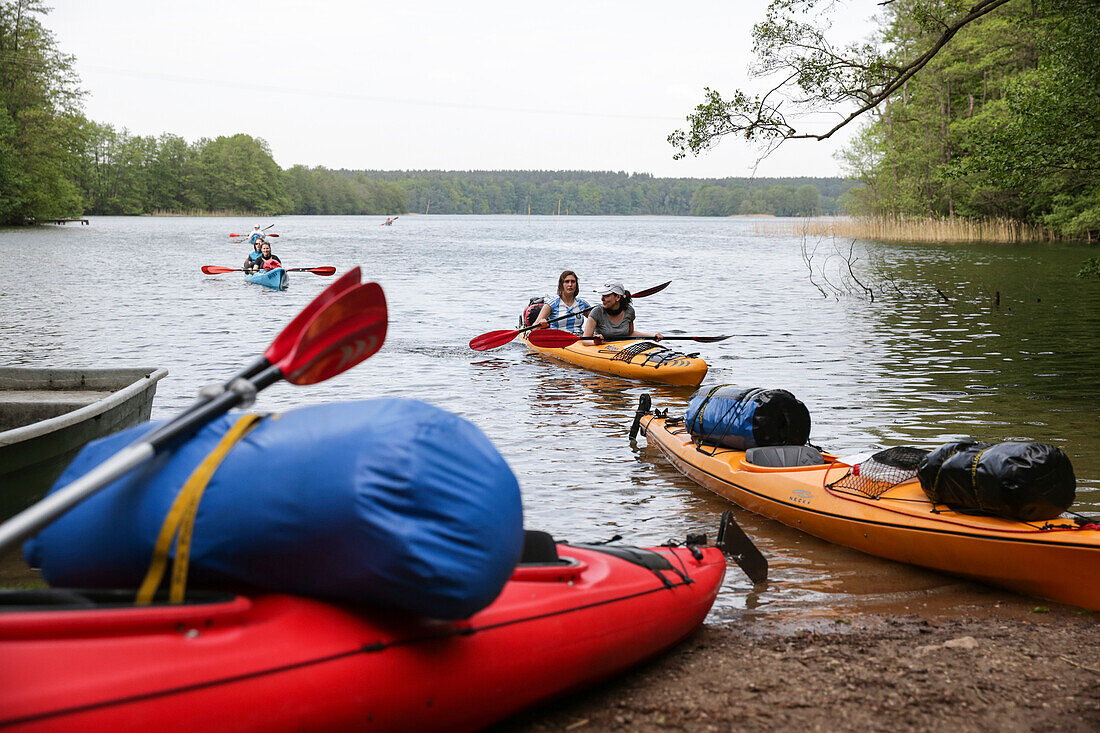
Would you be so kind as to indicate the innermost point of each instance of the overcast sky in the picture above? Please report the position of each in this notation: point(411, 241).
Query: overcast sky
point(584, 85)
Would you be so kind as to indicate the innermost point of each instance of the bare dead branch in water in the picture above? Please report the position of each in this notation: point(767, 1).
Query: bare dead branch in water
point(825, 276)
point(807, 257)
point(851, 260)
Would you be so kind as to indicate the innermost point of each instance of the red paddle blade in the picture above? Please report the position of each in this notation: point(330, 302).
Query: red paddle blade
point(351, 329)
point(290, 335)
point(360, 341)
point(275, 235)
point(236, 235)
point(552, 338)
point(216, 270)
point(651, 291)
point(493, 339)
point(324, 271)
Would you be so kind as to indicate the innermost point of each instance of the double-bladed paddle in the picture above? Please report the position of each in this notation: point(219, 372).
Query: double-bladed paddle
point(552, 338)
point(343, 326)
point(493, 339)
point(218, 270)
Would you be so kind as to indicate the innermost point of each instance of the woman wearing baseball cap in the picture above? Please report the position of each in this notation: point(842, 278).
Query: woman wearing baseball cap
point(614, 317)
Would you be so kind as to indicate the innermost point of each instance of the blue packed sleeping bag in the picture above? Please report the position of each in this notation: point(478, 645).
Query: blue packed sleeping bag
point(740, 418)
point(386, 501)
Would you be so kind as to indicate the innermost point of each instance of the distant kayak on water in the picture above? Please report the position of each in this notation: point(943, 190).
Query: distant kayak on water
point(389, 222)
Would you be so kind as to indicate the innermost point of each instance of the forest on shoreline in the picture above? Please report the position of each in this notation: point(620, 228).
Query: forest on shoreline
point(1001, 124)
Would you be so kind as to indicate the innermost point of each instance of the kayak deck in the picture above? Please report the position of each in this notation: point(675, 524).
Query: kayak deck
point(1057, 559)
point(639, 359)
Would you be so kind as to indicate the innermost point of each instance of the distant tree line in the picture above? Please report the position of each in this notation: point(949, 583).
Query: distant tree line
point(609, 193)
point(55, 163)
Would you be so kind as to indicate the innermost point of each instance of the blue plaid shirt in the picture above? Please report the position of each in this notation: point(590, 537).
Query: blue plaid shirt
point(575, 322)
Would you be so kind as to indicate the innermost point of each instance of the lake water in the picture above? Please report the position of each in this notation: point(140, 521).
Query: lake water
point(991, 341)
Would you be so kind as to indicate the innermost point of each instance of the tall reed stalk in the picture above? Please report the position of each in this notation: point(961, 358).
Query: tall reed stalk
point(899, 229)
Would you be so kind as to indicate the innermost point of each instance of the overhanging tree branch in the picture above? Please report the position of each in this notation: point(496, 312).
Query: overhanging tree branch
point(826, 75)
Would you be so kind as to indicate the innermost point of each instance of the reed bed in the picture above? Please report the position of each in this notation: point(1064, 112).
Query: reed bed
point(891, 229)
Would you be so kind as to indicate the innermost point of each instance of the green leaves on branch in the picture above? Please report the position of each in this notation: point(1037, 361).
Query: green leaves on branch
point(716, 117)
point(808, 74)
point(1090, 268)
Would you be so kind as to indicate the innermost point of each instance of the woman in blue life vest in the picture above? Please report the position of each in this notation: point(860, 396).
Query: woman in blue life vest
point(255, 259)
point(613, 318)
point(566, 304)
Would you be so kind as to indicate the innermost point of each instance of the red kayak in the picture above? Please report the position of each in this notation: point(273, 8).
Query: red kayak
point(75, 661)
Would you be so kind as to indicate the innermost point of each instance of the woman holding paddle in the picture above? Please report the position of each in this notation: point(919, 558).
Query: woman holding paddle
point(262, 258)
point(567, 304)
point(614, 317)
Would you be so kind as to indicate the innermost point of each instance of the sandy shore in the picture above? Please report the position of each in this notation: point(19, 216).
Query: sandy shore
point(870, 673)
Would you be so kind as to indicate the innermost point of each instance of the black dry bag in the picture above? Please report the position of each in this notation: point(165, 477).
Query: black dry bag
point(1025, 481)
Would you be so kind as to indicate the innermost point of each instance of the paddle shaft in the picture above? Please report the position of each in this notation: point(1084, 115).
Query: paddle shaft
point(341, 327)
point(554, 339)
point(701, 339)
point(323, 270)
point(585, 312)
point(493, 339)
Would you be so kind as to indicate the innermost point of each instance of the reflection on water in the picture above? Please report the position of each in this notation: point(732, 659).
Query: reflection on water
point(909, 368)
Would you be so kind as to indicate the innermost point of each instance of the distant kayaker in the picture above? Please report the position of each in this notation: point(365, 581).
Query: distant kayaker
point(614, 317)
point(257, 235)
point(567, 302)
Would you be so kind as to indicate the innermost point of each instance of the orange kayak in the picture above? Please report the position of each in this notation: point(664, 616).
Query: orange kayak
point(640, 359)
point(1056, 559)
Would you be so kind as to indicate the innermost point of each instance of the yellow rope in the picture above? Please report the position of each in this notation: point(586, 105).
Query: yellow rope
point(181, 519)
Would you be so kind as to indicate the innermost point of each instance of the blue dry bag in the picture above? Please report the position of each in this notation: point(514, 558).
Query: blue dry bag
point(740, 418)
point(393, 502)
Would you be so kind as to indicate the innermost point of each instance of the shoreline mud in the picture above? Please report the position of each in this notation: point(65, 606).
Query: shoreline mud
point(896, 673)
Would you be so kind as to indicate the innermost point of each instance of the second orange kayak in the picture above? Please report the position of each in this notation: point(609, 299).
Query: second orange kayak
point(639, 359)
point(1057, 559)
